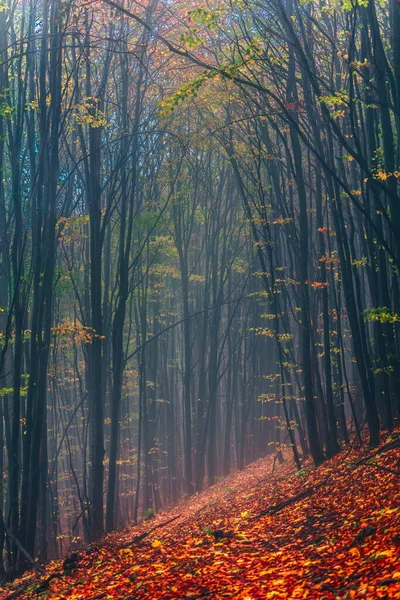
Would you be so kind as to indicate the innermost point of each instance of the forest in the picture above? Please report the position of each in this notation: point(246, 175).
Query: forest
point(199, 269)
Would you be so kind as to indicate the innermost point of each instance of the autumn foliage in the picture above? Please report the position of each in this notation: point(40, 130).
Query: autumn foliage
point(265, 532)
point(199, 266)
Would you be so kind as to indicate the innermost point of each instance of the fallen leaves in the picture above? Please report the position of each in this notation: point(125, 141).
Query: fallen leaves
point(332, 534)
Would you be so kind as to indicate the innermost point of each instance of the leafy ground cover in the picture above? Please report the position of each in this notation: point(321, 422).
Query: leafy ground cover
point(266, 532)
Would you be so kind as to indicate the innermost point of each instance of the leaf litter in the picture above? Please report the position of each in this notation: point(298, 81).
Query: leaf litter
point(267, 532)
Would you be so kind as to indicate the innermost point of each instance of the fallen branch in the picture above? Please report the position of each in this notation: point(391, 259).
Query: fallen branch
point(272, 510)
point(134, 541)
point(142, 536)
point(20, 547)
point(389, 581)
point(381, 450)
point(381, 468)
point(41, 587)
point(275, 508)
point(18, 591)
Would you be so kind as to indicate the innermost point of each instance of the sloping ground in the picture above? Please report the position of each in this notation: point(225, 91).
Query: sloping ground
point(332, 532)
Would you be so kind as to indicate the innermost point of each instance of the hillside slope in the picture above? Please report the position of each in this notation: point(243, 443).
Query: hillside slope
point(332, 532)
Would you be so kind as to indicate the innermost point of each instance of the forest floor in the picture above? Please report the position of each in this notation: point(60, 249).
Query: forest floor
point(266, 532)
